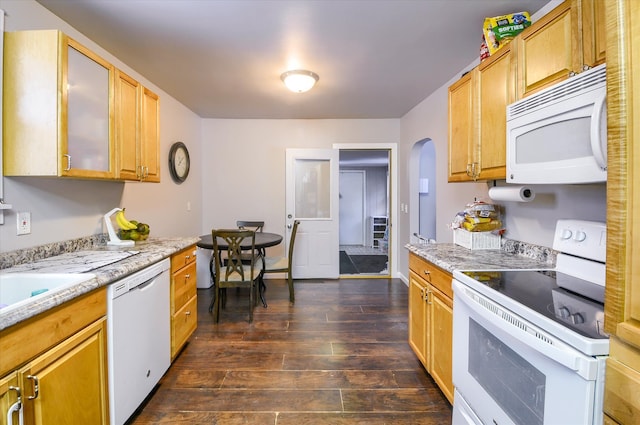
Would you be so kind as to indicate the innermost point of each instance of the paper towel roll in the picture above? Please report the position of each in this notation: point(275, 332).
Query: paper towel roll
point(512, 193)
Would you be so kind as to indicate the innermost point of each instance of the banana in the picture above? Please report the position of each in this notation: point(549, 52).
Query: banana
point(123, 222)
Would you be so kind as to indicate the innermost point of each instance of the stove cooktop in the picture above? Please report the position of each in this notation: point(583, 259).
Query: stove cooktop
point(538, 290)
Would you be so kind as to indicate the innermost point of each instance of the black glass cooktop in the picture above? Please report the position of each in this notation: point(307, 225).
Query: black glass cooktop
point(547, 292)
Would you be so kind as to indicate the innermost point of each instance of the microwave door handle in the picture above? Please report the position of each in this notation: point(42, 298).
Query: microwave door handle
point(598, 145)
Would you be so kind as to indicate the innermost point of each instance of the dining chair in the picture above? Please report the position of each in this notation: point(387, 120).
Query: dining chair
point(256, 226)
point(283, 264)
point(230, 271)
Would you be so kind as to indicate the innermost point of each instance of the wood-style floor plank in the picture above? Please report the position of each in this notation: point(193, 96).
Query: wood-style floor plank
point(339, 355)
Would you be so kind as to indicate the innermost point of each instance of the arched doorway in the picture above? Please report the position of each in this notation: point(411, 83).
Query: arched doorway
point(422, 184)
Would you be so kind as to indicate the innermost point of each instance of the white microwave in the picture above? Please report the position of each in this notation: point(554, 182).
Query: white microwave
point(559, 135)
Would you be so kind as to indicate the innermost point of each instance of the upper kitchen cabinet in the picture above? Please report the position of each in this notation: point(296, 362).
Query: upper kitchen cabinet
point(477, 119)
point(594, 35)
point(137, 135)
point(58, 108)
point(562, 43)
point(622, 292)
point(548, 51)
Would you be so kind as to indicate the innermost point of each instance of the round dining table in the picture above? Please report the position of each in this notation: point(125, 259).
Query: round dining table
point(263, 240)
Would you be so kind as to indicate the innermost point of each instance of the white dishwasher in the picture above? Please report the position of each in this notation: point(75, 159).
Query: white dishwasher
point(139, 337)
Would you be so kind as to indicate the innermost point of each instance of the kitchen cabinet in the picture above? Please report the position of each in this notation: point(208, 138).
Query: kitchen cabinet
point(431, 320)
point(477, 119)
point(548, 51)
point(622, 293)
point(184, 317)
point(565, 41)
point(137, 135)
point(58, 109)
point(60, 358)
point(594, 33)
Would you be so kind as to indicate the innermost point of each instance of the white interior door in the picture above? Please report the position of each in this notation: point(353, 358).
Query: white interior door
point(312, 178)
point(352, 190)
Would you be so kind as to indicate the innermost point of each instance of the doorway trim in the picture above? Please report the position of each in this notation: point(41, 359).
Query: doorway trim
point(393, 192)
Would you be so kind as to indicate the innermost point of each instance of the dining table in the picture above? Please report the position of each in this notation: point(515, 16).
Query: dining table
point(263, 240)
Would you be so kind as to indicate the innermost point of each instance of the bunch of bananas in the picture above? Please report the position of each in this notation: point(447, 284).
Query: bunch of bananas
point(131, 229)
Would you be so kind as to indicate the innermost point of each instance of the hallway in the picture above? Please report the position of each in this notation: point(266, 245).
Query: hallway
point(338, 356)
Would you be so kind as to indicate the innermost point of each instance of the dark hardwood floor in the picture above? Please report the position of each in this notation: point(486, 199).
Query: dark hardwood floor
point(339, 355)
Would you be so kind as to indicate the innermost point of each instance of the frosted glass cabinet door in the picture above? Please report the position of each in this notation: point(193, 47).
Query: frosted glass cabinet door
point(89, 148)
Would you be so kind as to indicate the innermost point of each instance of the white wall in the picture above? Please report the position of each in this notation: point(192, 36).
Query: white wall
point(245, 163)
point(63, 209)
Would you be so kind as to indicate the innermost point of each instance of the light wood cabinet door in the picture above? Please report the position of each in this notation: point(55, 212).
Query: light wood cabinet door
point(462, 128)
point(441, 334)
point(137, 135)
point(431, 320)
point(127, 130)
point(496, 86)
point(594, 33)
point(550, 50)
point(8, 397)
point(58, 113)
point(622, 292)
point(150, 136)
point(69, 382)
point(418, 317)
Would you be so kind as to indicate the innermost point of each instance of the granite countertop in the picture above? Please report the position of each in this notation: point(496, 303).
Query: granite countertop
point(512, 255)
point(133, 259)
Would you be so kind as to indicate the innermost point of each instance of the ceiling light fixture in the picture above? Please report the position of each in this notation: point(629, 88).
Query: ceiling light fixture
point(299, 80)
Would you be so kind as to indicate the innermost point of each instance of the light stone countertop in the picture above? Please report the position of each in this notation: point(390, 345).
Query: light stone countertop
point(147, 252)
point(512, 255)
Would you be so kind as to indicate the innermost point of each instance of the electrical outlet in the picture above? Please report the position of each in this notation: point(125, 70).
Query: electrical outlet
point(24, 223)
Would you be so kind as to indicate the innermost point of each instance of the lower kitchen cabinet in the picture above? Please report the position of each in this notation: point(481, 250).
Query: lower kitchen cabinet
point(57, 363)
point(184, 316)
point(431, 320)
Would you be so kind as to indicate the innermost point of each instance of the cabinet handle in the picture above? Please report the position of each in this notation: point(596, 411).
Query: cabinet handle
point(428, 298)
point(66, 155)
point(427, 273)
point(36, 387)
point(468, 170)
point(19, 395)
point(187, 313)
point(187, 276)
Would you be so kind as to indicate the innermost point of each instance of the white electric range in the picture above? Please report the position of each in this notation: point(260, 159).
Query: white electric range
point(529, 345)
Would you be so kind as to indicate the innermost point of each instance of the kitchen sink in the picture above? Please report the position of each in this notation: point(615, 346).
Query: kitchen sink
point(18, 289)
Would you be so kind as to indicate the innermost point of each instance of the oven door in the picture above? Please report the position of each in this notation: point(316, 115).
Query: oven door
point(510, 372)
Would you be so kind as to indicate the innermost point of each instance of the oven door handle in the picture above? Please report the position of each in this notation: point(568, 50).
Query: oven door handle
point(509, 325)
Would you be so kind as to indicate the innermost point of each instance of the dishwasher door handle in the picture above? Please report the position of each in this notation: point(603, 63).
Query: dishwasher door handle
point(148, 284)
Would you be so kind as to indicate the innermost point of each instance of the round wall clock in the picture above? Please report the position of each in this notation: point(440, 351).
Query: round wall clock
point(179, 162)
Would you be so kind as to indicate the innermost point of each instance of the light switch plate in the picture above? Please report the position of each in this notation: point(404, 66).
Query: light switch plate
point(24, 223)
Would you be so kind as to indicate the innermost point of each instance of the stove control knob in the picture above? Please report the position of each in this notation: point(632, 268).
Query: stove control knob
point(577, 318)
point(564, 312)
point(580, 236)
point(566, 234)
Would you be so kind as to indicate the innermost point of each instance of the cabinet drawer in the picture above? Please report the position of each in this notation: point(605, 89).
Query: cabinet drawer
point(183, 324)
point(432, 274)
point(183, 286)
point(183, 258)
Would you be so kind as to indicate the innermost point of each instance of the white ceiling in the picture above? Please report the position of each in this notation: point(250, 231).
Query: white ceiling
point(223, 58)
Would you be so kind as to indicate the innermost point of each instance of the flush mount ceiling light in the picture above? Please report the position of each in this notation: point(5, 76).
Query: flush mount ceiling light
point(299, 80)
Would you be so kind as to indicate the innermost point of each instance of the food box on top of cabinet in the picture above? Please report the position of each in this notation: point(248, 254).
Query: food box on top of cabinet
point(500, 30)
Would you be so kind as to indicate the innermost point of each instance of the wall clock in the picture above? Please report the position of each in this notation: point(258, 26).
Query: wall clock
point(179, 162)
